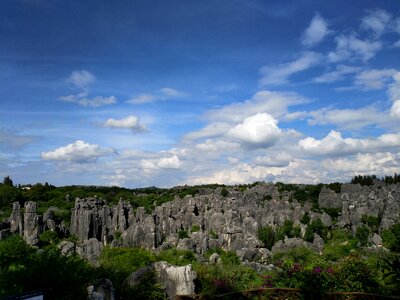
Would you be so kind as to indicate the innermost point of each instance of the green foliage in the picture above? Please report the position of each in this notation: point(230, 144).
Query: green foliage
point(302, 255)
point(339, 245)
point(182, 234)
point(117, 263)
point(371, 221)
point(213, 235)
point(266, 235)
point(176, 257)
point(195, 228)
point(367, 180)
point(48, 238)
point(25, 269)
point(224, 192)
point(362, 234)
point(287, 229)
point(332, 212)
point(147, 289)
point(305, 219)
point(7, 181)
point(316, 226)
point(391, 237)
point(354, 274)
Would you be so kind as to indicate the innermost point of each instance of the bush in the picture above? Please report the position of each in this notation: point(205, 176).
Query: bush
point(267, 236)
point(316, 226)
point(195, 228)
point(371, 221)
point(305, 219)
point(362, 234)
point(224, 192)
point(182, 234)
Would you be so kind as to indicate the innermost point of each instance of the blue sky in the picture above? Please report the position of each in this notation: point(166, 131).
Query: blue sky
point(165, 93)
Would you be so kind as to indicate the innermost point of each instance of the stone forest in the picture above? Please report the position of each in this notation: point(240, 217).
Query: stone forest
point(255, 241)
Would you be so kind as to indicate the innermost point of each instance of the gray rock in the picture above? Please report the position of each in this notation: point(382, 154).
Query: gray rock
point(329, 199)
point(185, 244)
point(177, 280)
point(318, 243)
point(376, 240)
point(91, 250)
point(66, 248)
point(214, 258)
point(31, 224)
point(102, 290)
point(15, 219)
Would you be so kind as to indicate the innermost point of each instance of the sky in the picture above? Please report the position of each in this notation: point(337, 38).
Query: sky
point(166, 93)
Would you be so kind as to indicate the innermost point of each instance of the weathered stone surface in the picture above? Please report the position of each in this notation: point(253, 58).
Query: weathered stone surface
point(102, 290)
point(376, 240)
point(177, 280)
point(318, 243)
point(15, 219)
point(329, 199)
point(31, 224)
point(289, 244)
point(91, 250)
point(66, 248)
point(214, 258)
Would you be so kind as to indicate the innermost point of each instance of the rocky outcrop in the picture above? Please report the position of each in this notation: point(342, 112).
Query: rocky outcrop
point(16, 219)
point(31, 224)
point(177, 281)
point(101, 290)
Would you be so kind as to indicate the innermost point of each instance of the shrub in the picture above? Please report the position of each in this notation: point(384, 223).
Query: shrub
point(195, 228)
point(391, 237)
point(287, 229)
point(316, 226)
point(213, 235)
point(371, 221)
point(362, 234)
point(267, 236)
point(182, 234)
point(305, 219)
point(224, 192)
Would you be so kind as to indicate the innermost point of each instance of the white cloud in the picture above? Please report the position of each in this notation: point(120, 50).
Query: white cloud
point(211, 130)
point(394, 89)
point(335, 145)
point(338, 74)
point(395, 110)
point(278, 75)
point(377, 21)
point(397, 44)
point(273, 103)
point(217, 146)
point(374, 79)
point(163, 94)
point(171, 162)
point(79, 151)
point(172, 93)
point(369, 163)
point(280, 159)
point(348, 118)
point(142, 98)
point(81, 79)
point(131, 122)
point(349, 47)
point(260, 130)
point(82, 100)
point(315, 32)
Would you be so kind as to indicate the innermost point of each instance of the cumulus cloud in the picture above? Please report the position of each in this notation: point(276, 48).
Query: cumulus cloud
point(81, 79)
point(131, 122)
point(172, 93)
point(395, 109)
point(381, 163)
point(349, 47)
point(348, 118)
point(335, 145)
point(374, 79)
point(394, 89)
point(280, 159)
point(338, 74)
point(377, 21)
point(278, 75)
point(273, 103)
point(171, 162)
point(260, 130)
point(79, 151)
point(315, 32)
